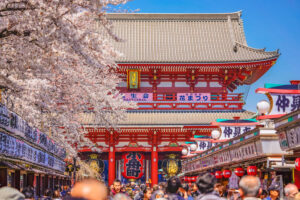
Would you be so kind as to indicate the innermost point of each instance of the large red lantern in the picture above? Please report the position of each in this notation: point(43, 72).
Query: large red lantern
point(193, 178)
point(218, 174)
point(239, 171)
point(297, 164)
point(226, 173)
point(133, 167)
point(252, 170)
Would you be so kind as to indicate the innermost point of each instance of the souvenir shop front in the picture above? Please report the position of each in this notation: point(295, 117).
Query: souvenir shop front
point(28, 157)
point(255, 152)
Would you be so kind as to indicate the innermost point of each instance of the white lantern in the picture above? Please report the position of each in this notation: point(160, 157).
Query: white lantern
point(184, 152)
point(193, 147)
point(215, 134)
point(263, 107)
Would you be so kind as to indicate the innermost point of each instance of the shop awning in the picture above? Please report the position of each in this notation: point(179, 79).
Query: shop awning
point(9, 165)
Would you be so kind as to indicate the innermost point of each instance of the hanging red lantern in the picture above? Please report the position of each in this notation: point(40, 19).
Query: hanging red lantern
point(218, 174)
point(192, 179)
point(252, 170)
point(239, 171)
point(226, 173)
point(297, 164)
point(133, 165)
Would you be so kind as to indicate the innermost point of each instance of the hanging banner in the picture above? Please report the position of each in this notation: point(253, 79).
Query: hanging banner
point(138, 96)
point(12, 147)
point(16, 125)
point(284, 103)
point(133, 165)
point(229, 132)
point(193, 97)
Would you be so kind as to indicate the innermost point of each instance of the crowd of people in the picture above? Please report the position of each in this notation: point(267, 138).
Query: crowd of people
point(205, 188)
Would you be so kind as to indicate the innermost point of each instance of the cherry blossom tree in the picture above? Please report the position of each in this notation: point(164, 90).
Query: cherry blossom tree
point(57, 62)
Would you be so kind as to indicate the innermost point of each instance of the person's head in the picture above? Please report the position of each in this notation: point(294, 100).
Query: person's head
point(173, 185)
point(194, 187)
point(206, 182)
point(48, 193)
point(158, 194)
point(185, 187)
point(217, 187)
point(123, 189)
point(290, 190)
point(121, 196)
point(56, 194)
point(66, 187)
point(249, 186)
point(28, 192)
point(90, 189)
point(155, 187)
point(9, 193)
point(264, 194)
point(274, 190)
point(117, 185)
point(147, 193)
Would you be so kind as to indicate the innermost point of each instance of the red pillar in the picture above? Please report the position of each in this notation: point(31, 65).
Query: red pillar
point(154, 160)
point(111, 161)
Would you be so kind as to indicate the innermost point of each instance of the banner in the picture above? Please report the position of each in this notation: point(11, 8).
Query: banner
point(16, 125)
point(138, 96)
point(193, 97)
point(284, 103)
point(229, 132)
point(12, 147)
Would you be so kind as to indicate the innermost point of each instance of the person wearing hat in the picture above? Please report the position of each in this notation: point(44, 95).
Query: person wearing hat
point(274, 192)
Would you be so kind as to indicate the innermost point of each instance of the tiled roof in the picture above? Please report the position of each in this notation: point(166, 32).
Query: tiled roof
point(183, 38)
point(174, 117)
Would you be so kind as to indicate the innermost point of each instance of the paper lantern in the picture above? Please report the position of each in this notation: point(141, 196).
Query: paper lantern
point(239, 171)
point(252, 170)
point(297, 164)
point(133, 167)
point(218, 174)
point(226, 173)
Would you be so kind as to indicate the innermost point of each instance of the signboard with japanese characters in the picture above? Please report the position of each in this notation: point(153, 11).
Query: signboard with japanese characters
point(204, 145)
point(12, 147)
point(284, 103)
point(193, 97)
point(138, 97)
point(13, 123)
point(293, 137)
point(229, 132)
point(283, 140)
point(243, 152)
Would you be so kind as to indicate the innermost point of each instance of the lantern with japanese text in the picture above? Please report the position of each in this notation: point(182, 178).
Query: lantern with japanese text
point(239, 171)
point(252, 170)
point(133, 165)
point(297, 164)
point(218, 174)
point(226, 173)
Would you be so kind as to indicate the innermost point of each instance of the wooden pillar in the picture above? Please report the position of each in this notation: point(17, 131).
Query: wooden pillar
point(17, 179)
point(111, 160)
point(154, 160)
point(3, 177)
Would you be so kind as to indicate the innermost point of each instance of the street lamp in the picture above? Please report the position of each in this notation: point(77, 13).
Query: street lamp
point(194, 147)
point(184, 151)
point(215, 134)
point(263, 107)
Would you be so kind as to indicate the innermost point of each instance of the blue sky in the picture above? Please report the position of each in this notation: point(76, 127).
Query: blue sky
point(274, 24)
